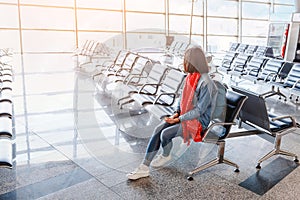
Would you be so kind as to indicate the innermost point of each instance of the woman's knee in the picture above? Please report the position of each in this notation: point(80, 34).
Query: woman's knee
point(159, 128)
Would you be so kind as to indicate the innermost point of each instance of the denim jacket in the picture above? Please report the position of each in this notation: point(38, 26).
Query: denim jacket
point(202, 102)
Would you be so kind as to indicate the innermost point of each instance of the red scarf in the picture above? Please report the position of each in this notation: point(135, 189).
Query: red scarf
point(190, 128)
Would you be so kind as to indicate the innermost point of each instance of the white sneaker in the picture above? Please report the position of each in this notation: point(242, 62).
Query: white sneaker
point(160, 161)
point(140, 172)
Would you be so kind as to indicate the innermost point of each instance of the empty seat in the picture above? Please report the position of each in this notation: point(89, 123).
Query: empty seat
point(6, 153)
point(6, 95)
point(253, 68)
point(5, 85)
point(279, 81)
point(251, 49)
point(6, 77)
point(110, 64)
point(242, 48)
point(264, 51)
point(182, 49)
point(272, 72)
point(233, 46)
point(6, 126)
point(227, 61)
point(165, 93)
point(270, 123)
point(292, 81)
point(6, 108)
point(141, 68)
point(239, 64)
point(135, 83)
point(126, 66)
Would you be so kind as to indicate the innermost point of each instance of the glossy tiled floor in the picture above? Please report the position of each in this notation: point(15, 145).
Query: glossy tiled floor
point(72, 142)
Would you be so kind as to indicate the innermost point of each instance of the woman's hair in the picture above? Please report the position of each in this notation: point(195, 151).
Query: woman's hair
point(195, 60)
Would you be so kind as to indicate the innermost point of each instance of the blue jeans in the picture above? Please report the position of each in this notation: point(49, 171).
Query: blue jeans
point(163, 134)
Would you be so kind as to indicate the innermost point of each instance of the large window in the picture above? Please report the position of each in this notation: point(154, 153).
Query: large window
point(103, 4)
point(222, 8)
point(47, 18)
point(96, 20)
point(59, 25)
point(144, 22)
point(69, 3)
point(146, 6)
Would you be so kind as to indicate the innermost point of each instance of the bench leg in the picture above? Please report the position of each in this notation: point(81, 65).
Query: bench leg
point(123, 98)
point(220, 159)
point(276, 151)
point(273, 93)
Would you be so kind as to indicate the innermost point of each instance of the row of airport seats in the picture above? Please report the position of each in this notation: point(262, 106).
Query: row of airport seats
point(266, 70)
point(91, 50)
point(177, 48)
point(131, 77)
point(157, 89)
point(255, 50)
point(6, 110)
point(241, 53)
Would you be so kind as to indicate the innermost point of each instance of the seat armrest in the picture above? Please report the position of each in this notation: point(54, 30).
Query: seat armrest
point(217, 124)
point(135, 76)
point(252, 70)
point(220, 124)
point(285, 117)
point(295, 84)
point(141, 90)
point(156, 101)
point(272, 75)
point(235, 66)
point(226, 62)
point(292, 128)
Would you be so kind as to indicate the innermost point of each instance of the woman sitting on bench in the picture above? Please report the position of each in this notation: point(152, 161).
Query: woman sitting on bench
point(193, 113)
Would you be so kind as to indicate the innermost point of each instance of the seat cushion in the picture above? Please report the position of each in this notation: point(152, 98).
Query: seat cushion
point(6, 108)
point(5, 153)
point(6, 95)
point(5, 126)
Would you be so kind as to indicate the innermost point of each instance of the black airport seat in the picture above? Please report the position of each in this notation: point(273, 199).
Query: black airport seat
point(253, 68)
point(239, 65)
point(254, 112)
point(251, 50)
point(292, 81)
point(242, 48)
point(277, 79)
point(227, 61)
point(233, 46)
point(264, 51)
